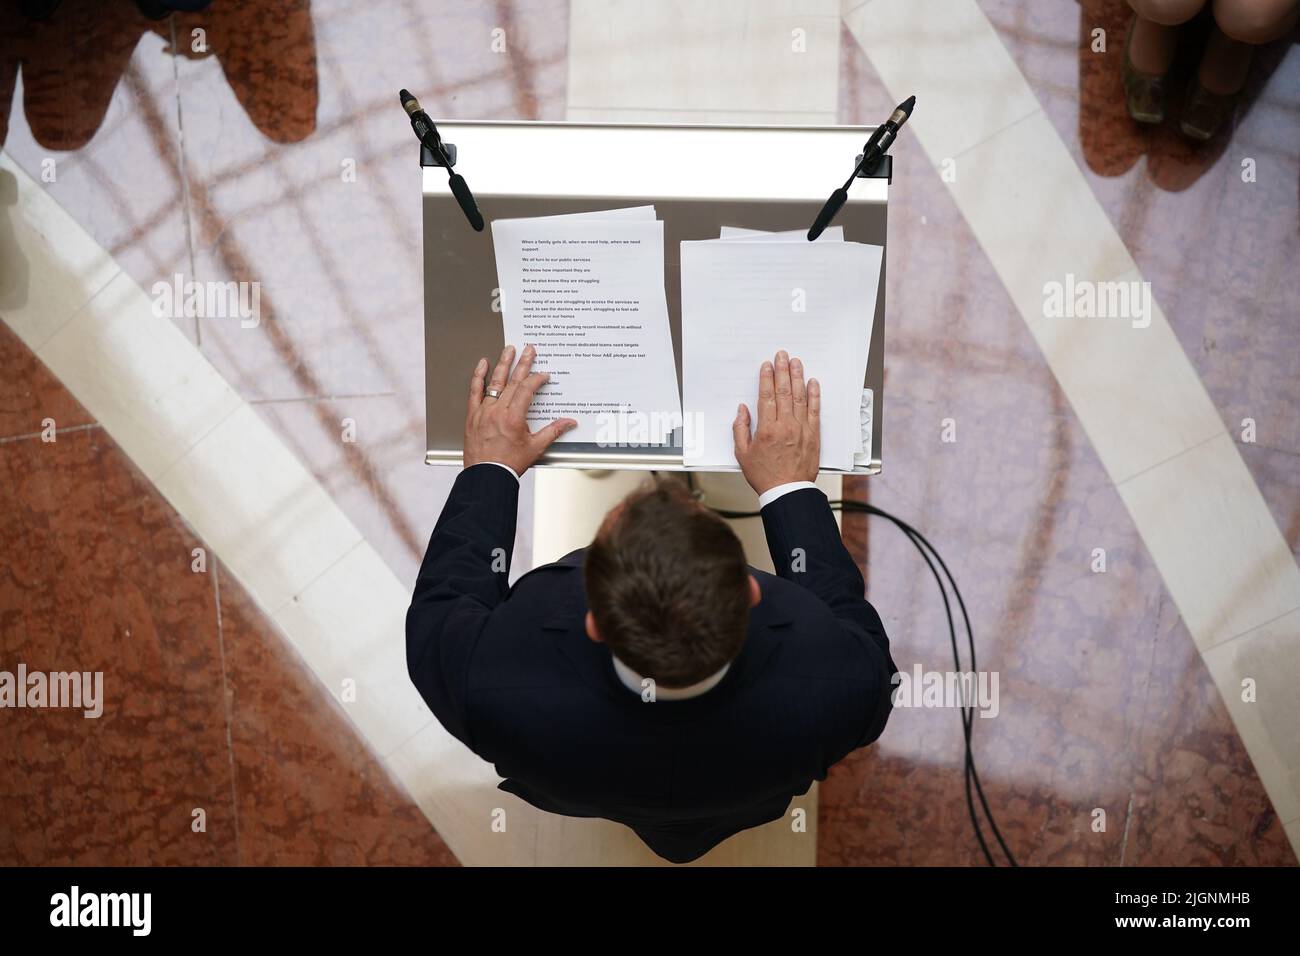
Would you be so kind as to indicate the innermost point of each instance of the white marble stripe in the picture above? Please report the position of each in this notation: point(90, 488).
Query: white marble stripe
point(768, 56)
point(1221, 555)
point(49, 267)
point(731, 62)
point(1257, 667)
point(255, 506)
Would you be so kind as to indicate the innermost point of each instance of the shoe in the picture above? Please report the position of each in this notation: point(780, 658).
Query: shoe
point(1204, 113)
point(1144, 93)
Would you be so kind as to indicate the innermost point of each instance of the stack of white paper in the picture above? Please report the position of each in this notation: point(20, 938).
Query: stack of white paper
point(587, 291)
point(746, 295)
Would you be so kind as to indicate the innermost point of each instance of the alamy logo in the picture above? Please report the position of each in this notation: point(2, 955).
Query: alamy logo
point(931, 689)
point(629, 428)
point(1085, 299)
point(80, 690)
point(179, 299)
point(102, 909)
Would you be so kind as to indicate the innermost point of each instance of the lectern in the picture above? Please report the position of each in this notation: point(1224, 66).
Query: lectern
point(698, 178)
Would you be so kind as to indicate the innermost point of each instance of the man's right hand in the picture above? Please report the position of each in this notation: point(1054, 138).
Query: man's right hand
point(786, 446)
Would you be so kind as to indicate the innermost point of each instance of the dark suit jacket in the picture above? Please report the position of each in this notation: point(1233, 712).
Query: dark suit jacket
point(511, 672)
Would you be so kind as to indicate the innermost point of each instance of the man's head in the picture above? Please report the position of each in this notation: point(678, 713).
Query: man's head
point(668, 587)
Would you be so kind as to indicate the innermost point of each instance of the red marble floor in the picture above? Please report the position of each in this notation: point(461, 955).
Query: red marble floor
point(205, 707)
point(235, 162)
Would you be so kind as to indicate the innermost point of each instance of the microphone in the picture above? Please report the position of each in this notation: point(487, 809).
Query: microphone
point(833, 205)
point(460, 189)
point(428, 135)
point(877, 145)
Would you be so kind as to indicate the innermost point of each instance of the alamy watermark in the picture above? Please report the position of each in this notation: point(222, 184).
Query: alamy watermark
point(955, 689)
point(75, 908)
point(179, 299)
point(79, 690)
point(1086, 299)
point(626, 427)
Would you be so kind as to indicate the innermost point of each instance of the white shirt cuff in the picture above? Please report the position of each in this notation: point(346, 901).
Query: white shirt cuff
point(499, 465)
point(769, 496)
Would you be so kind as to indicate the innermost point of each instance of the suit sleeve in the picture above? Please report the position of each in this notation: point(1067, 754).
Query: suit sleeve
point(806, 549)
point(463, 577)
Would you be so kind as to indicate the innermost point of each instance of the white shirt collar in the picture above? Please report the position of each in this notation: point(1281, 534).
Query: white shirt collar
point(635, 682)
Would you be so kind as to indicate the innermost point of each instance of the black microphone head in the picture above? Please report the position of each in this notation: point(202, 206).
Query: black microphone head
point(460, 189)
point(833, 205)
point(409, 102)
point(901, 113)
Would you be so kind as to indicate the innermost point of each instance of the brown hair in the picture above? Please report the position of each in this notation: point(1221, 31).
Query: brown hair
point(667, 583)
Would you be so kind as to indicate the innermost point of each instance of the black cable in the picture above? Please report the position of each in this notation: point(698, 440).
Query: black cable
point(967, 715)
point(966, 718)
point(966, 712)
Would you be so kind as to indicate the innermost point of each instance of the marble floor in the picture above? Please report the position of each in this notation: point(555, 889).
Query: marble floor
point(262, 142)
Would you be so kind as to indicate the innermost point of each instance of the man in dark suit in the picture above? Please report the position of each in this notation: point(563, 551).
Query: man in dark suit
point(652, 678)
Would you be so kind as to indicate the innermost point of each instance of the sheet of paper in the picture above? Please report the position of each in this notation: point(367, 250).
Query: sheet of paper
point(587, 292)
point(627, 212)
point(741, 301)
point(830, 234)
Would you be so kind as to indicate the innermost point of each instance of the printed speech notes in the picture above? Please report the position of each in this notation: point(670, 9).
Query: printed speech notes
point(587, 291)
point(744, 297)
